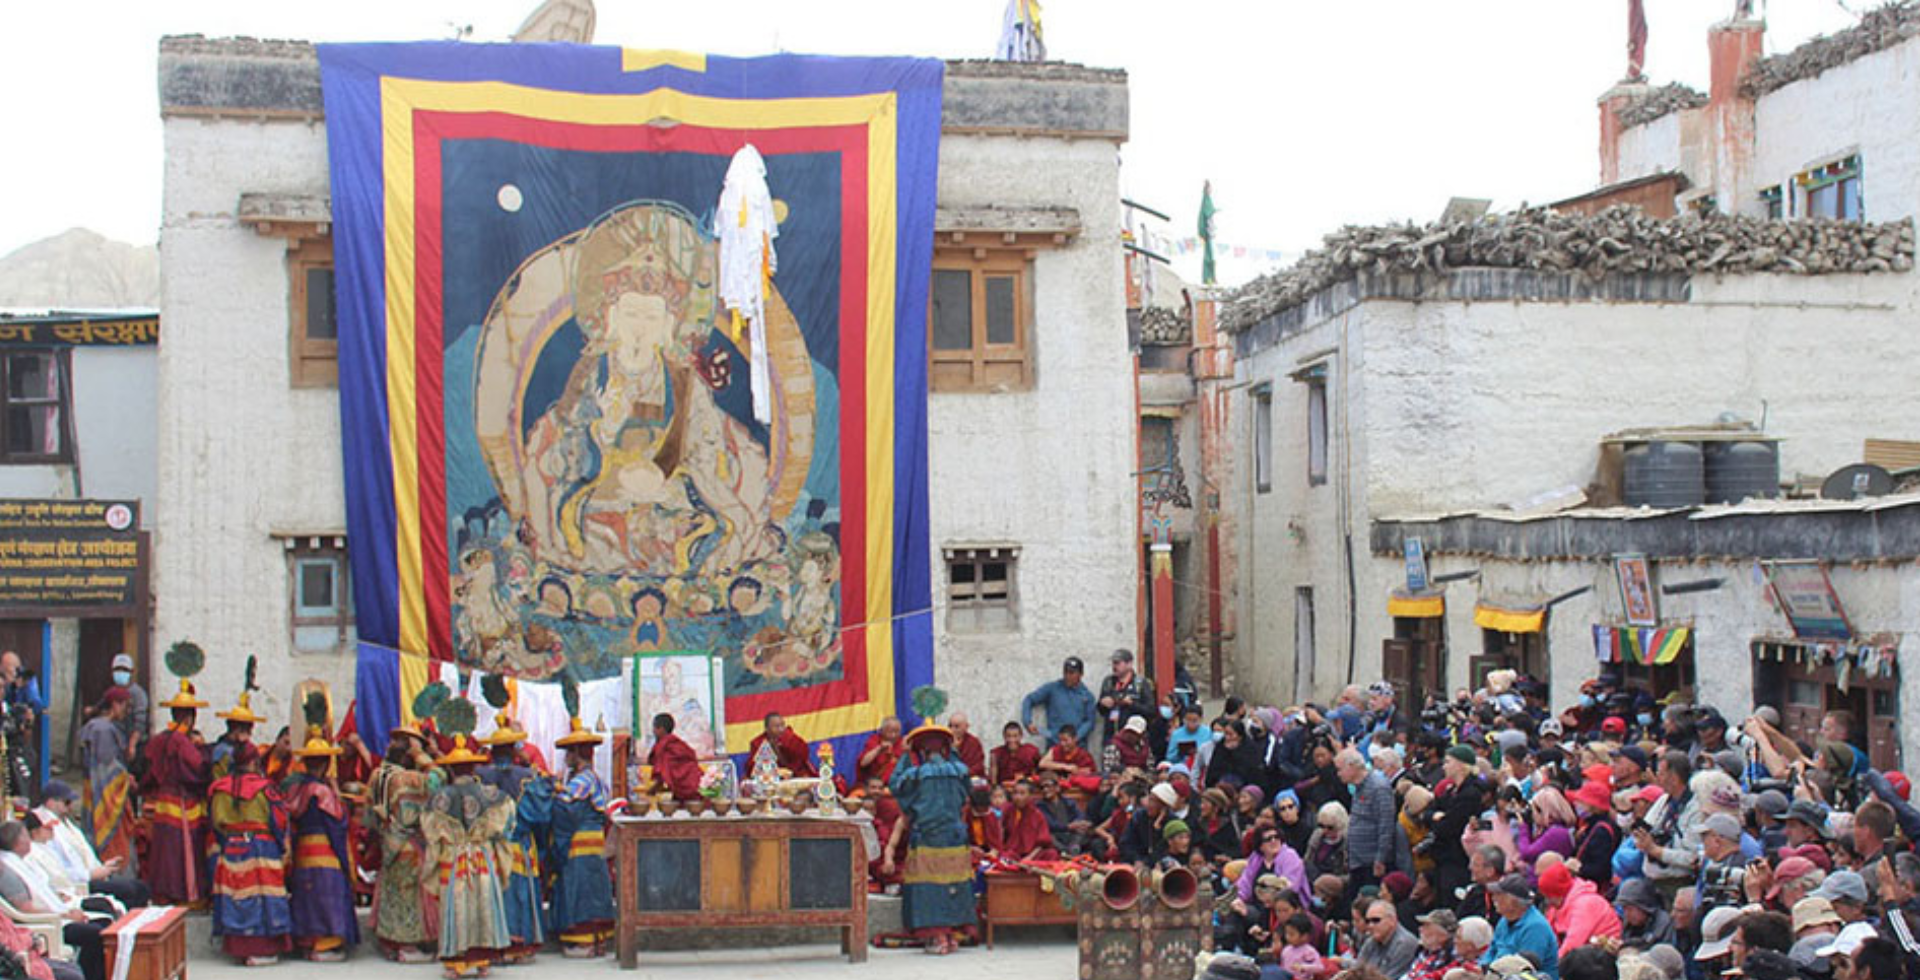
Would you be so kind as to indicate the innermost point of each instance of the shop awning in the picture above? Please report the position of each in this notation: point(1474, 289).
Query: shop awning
point(1428, 604)
point(1510, 616)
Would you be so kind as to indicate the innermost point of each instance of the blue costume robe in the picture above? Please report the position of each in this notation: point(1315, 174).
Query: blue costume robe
point(937, 880)
point(583, 909)
point(533, 797)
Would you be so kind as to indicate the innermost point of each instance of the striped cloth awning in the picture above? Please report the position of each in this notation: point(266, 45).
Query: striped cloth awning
point(1510, 616)
point(1426, 604)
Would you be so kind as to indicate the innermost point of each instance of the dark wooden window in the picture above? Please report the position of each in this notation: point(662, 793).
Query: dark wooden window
point(1804, 693)
point(980, 322)
point(983, 589)
point(314, 329)
point(36, 421)
point(1523, 652)
point(1661, 680)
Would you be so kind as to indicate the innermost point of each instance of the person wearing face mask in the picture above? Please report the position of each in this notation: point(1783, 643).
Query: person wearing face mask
point(139, 707)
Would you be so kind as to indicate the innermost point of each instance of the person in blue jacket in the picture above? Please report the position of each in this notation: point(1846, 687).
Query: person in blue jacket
point(1522, 928)
point(1066, 701)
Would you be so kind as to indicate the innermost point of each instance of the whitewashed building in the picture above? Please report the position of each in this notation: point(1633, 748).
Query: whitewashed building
point(1470, 409)
point(1032, 499)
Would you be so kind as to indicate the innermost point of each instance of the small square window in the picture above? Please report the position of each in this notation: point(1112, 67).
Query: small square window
point(320, 608)
point(982, 589)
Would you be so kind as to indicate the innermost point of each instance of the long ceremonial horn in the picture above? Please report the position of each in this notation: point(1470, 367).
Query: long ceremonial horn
point(1177, 887)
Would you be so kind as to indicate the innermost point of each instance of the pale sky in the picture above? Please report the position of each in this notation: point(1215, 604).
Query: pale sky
point(1305, 114)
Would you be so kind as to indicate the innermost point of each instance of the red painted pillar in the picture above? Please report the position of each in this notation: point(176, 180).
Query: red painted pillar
point(1163, 616)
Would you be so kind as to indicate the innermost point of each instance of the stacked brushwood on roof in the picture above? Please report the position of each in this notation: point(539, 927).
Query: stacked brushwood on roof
point(1162, 325)
point(1658, 102)
point(1878, 30)
point(1618, 240)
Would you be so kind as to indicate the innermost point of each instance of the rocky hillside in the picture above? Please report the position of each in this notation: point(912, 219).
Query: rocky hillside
point(80, 269)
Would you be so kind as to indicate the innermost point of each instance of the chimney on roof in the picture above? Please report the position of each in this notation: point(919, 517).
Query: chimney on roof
point(1612, 102)
point(1732, 48)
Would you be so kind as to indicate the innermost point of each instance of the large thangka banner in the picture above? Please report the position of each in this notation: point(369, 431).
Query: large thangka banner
point(552, 456)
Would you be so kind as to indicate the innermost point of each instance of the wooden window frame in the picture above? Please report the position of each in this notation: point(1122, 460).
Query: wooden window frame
point(62, 402)
point(303, 551)
point(966, 600)
point(981, 358)
point(315, 361)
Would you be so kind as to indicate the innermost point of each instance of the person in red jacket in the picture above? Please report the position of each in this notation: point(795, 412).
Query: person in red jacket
point(789, 749)
point(882, 751)
point(1014, 759)
point(1070, 761)
point(1023, 828)
point(966, 745)
point(676, 768)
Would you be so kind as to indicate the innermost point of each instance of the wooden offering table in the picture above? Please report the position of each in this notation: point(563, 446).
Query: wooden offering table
point(1016, 899)
point(159, 944)
point(738, 872)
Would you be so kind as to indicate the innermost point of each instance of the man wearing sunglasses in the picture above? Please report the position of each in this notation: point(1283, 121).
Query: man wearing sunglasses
point(1389, 947)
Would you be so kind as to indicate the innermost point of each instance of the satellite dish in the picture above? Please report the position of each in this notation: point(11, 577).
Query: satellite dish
point(1856, 481)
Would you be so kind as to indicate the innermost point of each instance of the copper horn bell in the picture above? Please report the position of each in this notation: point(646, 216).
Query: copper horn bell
point(1120, 888)
point(1177, 887)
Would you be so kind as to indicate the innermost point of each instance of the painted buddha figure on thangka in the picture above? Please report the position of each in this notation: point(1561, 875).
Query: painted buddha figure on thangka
point(628, 500)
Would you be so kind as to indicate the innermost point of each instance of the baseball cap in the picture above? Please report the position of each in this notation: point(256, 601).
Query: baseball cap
point(1123, 656)
point(1649, 794)
point(122, 661)
point(1769, 714)
point(1380, 689)
point(1614, 725)
point(1444, 918)
point(1516, 885)
point(1137, 725)
point(1771, 803)
point(1074, 664)
point(1632, 753)
point(1901, 786)
point(1811, 911)
point(1722, 825)
point(1716, 933)
point(58, 790)
point(1787, 870)
point(1812, 852)
point(1843, 886)
point(1552, 727)
point(1709, 718)
point(1667, 959)
point(1849, 940)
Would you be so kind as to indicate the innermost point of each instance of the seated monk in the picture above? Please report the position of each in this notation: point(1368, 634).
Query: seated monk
point(676, 768)
point(884, 870)
point(790, 751)
point(983, 825)
point(1024, 835)
point(1070, 761)
point(1014, 759)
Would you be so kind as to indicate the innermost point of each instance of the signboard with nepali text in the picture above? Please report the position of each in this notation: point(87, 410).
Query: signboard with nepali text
point(77, 556)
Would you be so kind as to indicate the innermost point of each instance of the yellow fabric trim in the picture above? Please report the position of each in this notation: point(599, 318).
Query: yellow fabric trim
point(402, 398)
point(415, 674)
point(1509, 620)
point(1417, 607)
point(641, 59)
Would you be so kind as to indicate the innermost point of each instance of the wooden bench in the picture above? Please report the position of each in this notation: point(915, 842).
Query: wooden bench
point(1016, 899)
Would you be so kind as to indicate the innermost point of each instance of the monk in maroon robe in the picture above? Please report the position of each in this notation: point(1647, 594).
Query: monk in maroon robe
point(967, 747)
point(789, 749)
point(1023, 828)
point(1015, 760)
point(676, 768)
point(881, 752)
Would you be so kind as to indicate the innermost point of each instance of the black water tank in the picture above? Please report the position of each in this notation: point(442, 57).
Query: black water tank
point(1665, 474)
point(1738, 471)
